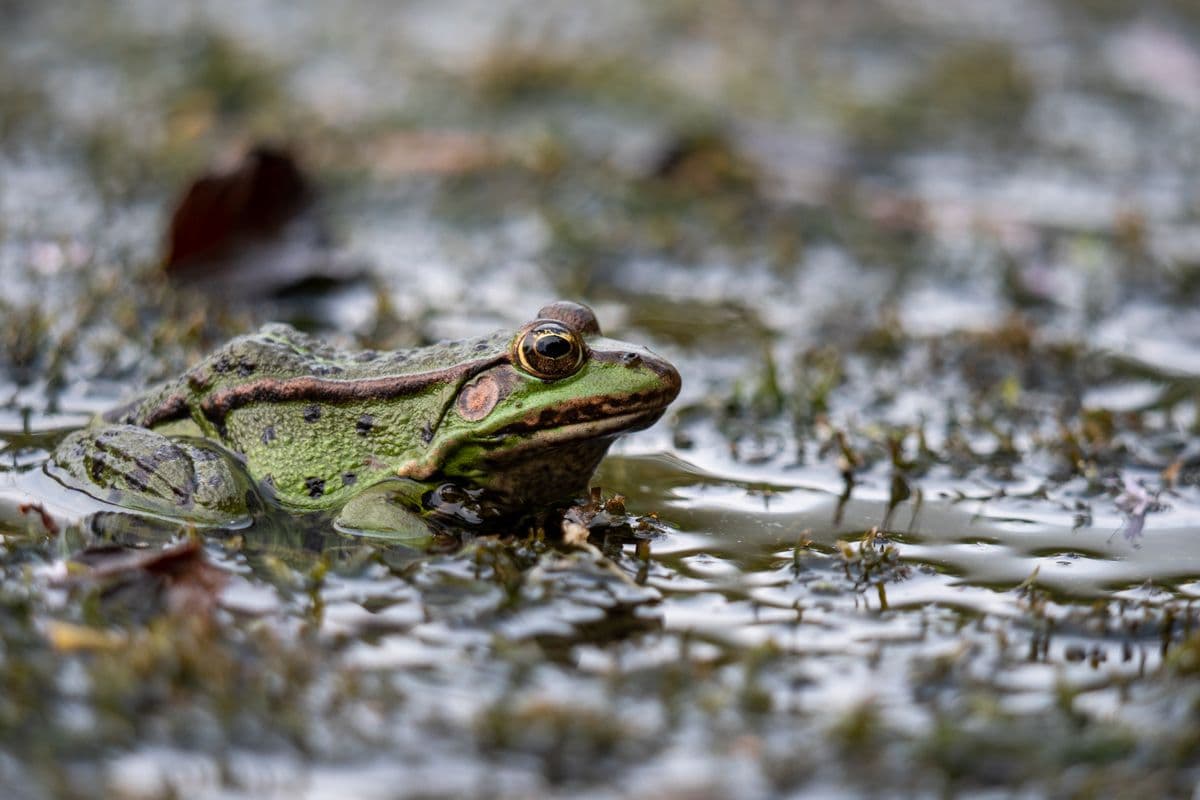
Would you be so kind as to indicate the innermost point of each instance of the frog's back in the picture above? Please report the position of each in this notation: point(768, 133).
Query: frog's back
point(312, 420)
point(278, 352)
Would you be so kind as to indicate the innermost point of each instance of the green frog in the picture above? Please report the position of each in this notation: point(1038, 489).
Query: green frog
point(279, 418)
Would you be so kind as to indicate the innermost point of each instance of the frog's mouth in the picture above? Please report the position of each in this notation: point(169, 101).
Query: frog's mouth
point(604, 426)
point(598, 420)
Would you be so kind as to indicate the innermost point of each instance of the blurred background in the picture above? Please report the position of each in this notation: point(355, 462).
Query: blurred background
point(706, 171)
point(909, 254)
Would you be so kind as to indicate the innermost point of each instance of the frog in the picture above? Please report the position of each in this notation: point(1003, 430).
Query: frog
point(280, 419)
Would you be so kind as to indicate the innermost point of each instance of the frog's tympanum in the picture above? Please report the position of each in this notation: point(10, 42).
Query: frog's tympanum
point(281, 418)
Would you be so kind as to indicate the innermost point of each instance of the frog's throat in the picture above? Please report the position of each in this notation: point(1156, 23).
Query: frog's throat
point(593, 429)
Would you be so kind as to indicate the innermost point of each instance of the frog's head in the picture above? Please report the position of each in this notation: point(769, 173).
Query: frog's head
point(532, 427)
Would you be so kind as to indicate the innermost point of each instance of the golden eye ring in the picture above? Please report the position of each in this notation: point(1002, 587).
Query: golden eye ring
point(549, 350)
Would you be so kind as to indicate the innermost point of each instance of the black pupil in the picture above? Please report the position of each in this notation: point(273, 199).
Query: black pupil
point(553, 346)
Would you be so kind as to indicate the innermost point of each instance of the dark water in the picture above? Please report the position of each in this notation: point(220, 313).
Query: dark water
point(925, 520)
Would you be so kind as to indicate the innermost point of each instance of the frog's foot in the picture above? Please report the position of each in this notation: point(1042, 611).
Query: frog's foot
point(386, 511)
point(141, 470)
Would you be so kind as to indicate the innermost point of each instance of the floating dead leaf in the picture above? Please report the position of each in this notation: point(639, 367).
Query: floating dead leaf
point(705, 162)
point(178, 579)
point(1170, 475)
point(432, 153)
point(38, 511)
point(218, 211)
point(255, 232)
point(605, 517)
point(67, 637)
point(574, 533)
point(896, 211)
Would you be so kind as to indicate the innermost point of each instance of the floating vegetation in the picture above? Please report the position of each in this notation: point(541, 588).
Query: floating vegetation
point(924, 521)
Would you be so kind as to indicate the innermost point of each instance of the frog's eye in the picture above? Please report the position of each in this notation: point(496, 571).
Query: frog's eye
point(548, 350)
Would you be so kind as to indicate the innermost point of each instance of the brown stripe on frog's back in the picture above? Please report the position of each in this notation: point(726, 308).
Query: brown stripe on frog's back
point(281, 390)
point(171, 408)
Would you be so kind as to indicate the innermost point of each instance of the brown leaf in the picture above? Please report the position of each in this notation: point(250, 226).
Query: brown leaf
point(432, 153)
point(49, 525)
point(180, 577)
point(219, 212)
point(67, 637)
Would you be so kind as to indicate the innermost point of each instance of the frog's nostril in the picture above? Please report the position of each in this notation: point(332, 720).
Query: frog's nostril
point(631, 359)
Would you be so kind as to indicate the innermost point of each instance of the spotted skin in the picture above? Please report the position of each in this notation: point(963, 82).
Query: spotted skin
point(312, 427)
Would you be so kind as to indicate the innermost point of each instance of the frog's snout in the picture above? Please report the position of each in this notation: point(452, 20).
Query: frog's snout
point(668, 377)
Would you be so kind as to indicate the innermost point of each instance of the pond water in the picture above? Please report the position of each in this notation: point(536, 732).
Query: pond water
point(924, 521)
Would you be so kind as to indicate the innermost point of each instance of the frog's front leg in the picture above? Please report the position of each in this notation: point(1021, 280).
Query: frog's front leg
point(139, 469)
point(386, 510)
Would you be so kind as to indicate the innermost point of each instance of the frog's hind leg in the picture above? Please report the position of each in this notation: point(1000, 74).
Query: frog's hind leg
point(139, 469)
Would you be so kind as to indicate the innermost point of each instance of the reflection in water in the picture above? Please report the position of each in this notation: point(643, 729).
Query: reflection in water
point(785, 597)
point(990, 539)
